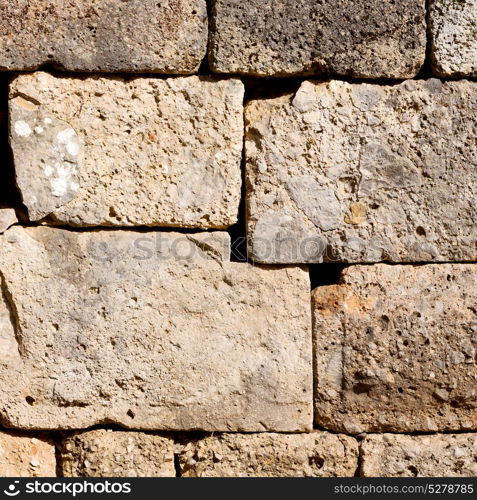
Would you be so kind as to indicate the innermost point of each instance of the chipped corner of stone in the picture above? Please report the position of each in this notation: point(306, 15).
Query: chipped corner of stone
point(48, 155)
point(8, 218)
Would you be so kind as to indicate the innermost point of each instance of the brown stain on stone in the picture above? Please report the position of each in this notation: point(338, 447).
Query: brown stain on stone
point(328, 300)
point(357, 214)
point(335, 299)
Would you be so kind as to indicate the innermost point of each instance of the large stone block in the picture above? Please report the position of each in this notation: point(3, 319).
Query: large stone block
point(166, 36)
point(26, 456)
point(437, 455)
point(395, 349)
point(453, 31)
point(108, 151)
point(363, 173)
point(373, 39)
point(318, 454)
point(105, 453)
point(151, 331)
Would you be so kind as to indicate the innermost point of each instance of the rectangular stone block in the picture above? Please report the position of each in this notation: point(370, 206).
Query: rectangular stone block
point(395, 349)
point(26, 456)
point(141, 152)
point(318, 454)
point(147, 36)
point(453, 37)
point(151, 331)
point(372, 39)
point(437, 455)
point(106, 453)
point(363, 173)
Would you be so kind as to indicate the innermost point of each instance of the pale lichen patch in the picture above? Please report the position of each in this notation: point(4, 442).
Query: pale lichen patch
point(22, 129)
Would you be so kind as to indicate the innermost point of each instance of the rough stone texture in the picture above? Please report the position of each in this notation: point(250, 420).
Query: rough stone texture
point(166, 36)
point(26, 456)
point(395, 349)
point(318, 454)
point(151, 331)
point(106, 151)
point(370, 39)
point(453, 30)
point(444, 455)
point(105, 453)
point(8, 217)
point(363, 173)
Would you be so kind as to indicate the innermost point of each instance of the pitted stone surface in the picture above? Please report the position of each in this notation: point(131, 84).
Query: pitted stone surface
point(373, 39)
point(438, 455)
point(48, 155)
point(395, 349)
point(317, 454)
point(142, 152)
point(453, 30)
point(147, 36)
point(103, 151)
point(26, 456)
point(105, 453)
point(151, 331)
point(363, 173)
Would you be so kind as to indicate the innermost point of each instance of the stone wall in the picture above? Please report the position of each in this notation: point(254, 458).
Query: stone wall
point(238, 238)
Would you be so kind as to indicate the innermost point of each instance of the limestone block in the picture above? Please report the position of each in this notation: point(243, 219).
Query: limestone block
point(106, 453)
point(142, 152)
point(395, 349)
point(26, 456)
point(372, 39)
point(146, 36)
point(150, 330)
point(436, 455)
point(453, 31)
point(363, 173)
point(317, 454)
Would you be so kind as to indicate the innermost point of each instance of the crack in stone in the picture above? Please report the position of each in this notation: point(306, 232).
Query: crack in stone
point(13, 312)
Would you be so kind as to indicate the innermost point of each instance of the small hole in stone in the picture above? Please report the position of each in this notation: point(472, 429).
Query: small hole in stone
point(413, 470)
point(420, 231)
point(362, 388)
point(130, 414)
point(316, 461)
point(30, 400)
point(400, 390)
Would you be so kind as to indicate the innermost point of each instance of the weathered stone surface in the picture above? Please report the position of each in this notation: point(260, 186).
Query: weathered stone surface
point(317, 454)
point(105, 453)
point(106, 151)
point(167, 36)
point(363, 173)
point(453, 29)
point(151, 331)
point(438, 455)
point(348, 37)
point(395, 349)
point(8, 217)
point(26, 456)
